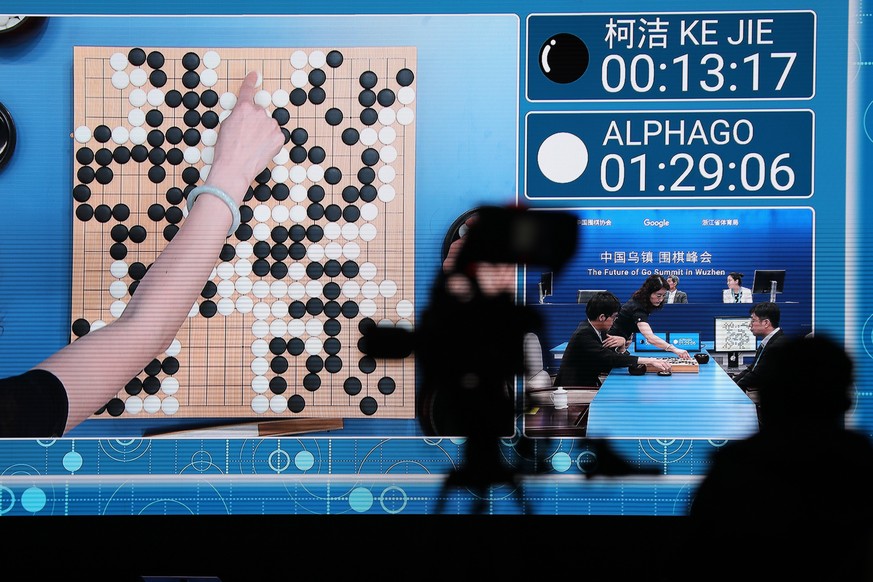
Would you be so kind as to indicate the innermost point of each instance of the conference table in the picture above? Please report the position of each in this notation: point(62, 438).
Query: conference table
point(706, 404)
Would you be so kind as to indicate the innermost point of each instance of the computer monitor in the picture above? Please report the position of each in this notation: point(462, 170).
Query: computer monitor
point(685, 340)
point(732, 334)
point(546, 285)
point(641, 344)
point(763, 281)
point(585, 295)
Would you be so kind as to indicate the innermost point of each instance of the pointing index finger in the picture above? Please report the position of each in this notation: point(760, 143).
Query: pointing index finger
point(249, 84)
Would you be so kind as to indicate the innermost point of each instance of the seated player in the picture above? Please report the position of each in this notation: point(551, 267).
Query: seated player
point(586, 357)
point(633, 317)
point(736, 293)
point(674, 295)
point(69, 386)
point(764, 323)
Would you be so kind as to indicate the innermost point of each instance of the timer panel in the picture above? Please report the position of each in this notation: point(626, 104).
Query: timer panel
point(671, 56)
point(680, 154)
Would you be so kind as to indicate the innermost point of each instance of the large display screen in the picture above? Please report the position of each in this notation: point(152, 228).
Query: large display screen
point(689, 141)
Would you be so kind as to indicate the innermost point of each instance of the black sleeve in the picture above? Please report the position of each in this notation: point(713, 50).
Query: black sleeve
point(33, 405)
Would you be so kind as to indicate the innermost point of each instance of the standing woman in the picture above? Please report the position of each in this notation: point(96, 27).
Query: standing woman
point(736, 293)
point(633, 316)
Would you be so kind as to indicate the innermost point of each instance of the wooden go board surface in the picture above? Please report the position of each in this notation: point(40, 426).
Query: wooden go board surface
point(326, 244)
point(678, 365)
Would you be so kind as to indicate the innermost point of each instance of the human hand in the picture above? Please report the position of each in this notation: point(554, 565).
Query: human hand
point(682, 354)
point(247, 140)
point(614, 341)
point(657, 363)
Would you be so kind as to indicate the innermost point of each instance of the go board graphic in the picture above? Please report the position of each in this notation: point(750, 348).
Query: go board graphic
point(326, 243)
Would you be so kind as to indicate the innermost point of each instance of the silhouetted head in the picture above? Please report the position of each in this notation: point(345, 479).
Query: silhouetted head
point(807, 383)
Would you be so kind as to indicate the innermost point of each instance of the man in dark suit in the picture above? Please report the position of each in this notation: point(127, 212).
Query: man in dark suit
point(590, 352)
point(765, 325)
point(674, 295)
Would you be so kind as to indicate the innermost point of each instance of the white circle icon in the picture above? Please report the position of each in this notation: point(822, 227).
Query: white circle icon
point(562, 157)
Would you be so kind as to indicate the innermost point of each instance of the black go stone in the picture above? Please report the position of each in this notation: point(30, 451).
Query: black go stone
point(157, 174)
point(369, 116)
point(297, 153)
point(121, 155)
point(103, 213)
point(103, 156)
point(296, 346)
point(137, 233)
point(317, 155)
point(208, 308)
point(155, 138)
point(81, 327)
point(103, 175)
point(333, 175)
point(190, 61)
point(317, 77)
point(139, 153)
point(191, 100)
point(173, 98)
point(311, 382)
point(118, 251)
point(405, 77)
point(118, 233)
point(297, 97)
point(351, 213)
point(174, 215)
point(350, 136)
point(352, 386)
point(261, 249)
point(332, 309)
point(278, 346)
point(209, 98)
point(209, 119)
point(368, 405)
point(191, 118)
point(158, 78)
point(120, 212)
point(369, 193)
point(367, 98)
point(85, 174)
point(174, 135)
point(136, 56)
point(154, 118)
point(370, 156)
point(297, 309)
point(278, 385)
point(317, 95)
point(81, 193)
point(175, 156)
point(333, 116)
point(386, 97)
point(366, 175)
point(333, 364)
point(170, 232)
point(157, 156)
point(102, 133)
point(333, 212)
point(350, 194)
point(296, 403)
point(368, 79)
point(191, 137)
point(334, 59)
point(174, 195)
point(155, 59)
point(84, 156)
point(227, 252)
point(190, 79)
